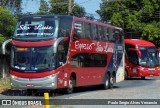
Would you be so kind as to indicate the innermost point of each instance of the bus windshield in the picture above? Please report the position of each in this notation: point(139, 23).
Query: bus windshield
point(33, 59)
point(149, 57)
point(33, 29)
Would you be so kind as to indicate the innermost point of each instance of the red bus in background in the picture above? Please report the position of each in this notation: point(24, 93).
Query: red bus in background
point(159, 54)
point(141, 59)
point(63, 52)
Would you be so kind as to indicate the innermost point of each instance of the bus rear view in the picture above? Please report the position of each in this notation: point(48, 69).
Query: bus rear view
point(141, 59)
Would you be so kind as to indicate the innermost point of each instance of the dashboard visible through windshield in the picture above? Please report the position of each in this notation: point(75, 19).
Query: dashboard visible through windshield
point(149, 57)
point(32, 59)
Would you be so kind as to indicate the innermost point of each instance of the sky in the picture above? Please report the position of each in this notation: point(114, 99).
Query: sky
point(90, 6)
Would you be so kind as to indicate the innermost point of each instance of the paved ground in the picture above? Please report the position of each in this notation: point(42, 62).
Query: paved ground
point(134, 88)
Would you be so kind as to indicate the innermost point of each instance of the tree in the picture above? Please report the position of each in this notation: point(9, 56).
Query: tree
point(44, 7)
point(89, 16)
point(61, 7)
point(7, 24)
point(78, 11)
point(134, 16)
point(13, 5)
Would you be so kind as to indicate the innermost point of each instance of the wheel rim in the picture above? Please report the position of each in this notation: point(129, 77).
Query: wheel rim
point(126, 75)
point(70, 84)
point(111, 81)
point(107, 83)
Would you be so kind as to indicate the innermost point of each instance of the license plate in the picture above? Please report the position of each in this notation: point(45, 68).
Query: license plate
point(30, 85)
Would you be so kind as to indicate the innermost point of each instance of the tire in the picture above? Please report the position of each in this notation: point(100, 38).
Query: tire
point(106, 83)
point(111, 82)
point(126, 75)
point(143, 77)
point(69, 90)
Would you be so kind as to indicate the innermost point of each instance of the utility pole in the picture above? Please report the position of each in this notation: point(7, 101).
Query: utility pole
point(69, 7)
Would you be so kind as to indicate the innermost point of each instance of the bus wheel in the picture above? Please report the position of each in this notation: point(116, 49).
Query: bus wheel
point(106, 83)
point(125, 75)
point(69, 90)
point(143, 77)
point(111, 82)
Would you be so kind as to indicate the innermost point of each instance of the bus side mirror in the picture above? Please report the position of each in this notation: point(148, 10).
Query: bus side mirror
point(134, 49)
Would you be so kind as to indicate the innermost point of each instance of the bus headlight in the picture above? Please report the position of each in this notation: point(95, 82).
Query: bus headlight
point(13, 77)
point(50, 76)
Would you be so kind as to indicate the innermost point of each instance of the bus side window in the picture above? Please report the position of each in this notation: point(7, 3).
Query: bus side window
point(117, 36)
point(97, 33)
point(65, 28)
point(87, 30)
point(78, 28)
point(110, 34)
point(101, 33)
point(94, 31)
point(106, 34)
point(133, 57)
point(75, 62)
point(62, 53)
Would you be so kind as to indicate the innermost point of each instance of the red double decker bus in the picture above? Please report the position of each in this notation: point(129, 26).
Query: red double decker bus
point(63, 52)
point(141, 59)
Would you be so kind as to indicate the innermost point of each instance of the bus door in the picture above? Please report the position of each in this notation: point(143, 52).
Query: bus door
point(61, 63)
point(131, 64)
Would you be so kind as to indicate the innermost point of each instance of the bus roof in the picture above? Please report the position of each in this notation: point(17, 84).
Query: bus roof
point(45, 16)
point(70, 17)
point(95, 22)
point(138, 42)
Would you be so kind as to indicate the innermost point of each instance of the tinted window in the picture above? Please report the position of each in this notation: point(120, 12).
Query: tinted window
point(105, 34)
point(94, 31)
point(101, 33)
point(132, 57)
point(89, 60)
point(111, 33)
point(78, 30)
point(32, 29)
point(87, 29)
point(65, 27)
point(117, 36)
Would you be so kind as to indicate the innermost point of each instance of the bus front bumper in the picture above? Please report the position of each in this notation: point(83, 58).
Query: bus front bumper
point(48, 82)
point(141, 74)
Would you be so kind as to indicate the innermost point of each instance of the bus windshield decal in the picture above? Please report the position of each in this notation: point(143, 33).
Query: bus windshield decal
point(36, 29)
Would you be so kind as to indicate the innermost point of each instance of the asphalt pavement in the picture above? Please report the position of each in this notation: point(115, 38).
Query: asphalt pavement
point(131, 93)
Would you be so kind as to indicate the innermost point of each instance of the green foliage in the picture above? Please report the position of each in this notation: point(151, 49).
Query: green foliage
point(44, 7)
point(61, 7)
point(134, 16)
point(78, 11)
point(13, 5)
point(151, 32)
point(7, 24)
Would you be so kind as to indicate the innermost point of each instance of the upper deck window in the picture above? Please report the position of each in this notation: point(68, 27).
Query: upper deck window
point(33, 29)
